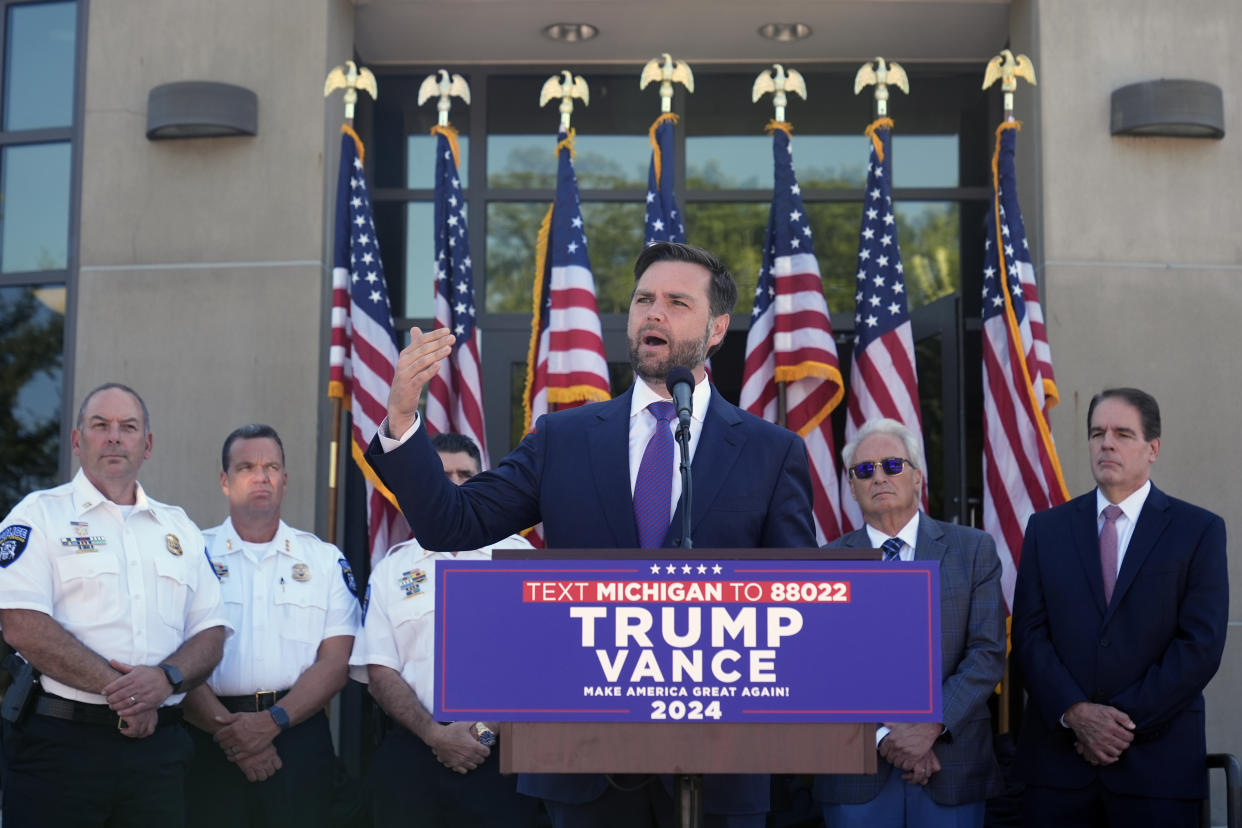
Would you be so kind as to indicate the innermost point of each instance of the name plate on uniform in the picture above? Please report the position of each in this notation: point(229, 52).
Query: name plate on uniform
point(671, 639)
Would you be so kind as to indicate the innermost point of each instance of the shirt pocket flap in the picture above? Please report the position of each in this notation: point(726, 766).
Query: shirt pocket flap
point(88, 565)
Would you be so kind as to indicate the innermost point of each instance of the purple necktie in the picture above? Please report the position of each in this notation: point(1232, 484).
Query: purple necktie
point(653, 489)
point(1108, 550)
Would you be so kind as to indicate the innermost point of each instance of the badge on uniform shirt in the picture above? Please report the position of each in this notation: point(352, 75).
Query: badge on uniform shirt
point(348, 575)
point(13, 540)
point(411, 582)
point(174, 544)
point(301, 573)
point(366, 602)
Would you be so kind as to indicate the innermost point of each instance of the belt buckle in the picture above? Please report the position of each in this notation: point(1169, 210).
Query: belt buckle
point(259, 695)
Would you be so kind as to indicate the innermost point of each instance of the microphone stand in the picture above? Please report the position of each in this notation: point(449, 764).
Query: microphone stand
point(683, 440)
point(689, 785)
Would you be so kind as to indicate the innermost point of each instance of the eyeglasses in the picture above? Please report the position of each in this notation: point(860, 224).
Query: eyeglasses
point(892, 467)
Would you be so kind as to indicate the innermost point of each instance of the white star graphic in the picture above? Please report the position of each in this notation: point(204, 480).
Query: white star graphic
point(655, 569)
point(671, 569)
point(872, 321)
point(716, 570)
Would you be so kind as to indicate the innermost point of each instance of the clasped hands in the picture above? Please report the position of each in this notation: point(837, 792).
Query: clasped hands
point(1101, 732)
point(456, 748)
point(909, 747)
point(246, 739)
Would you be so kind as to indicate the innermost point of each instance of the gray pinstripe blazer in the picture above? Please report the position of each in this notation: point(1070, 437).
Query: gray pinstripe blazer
point(972, 656)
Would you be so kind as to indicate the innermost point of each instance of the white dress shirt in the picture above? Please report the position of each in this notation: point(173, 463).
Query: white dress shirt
point(1130, 508)
point(909, 536)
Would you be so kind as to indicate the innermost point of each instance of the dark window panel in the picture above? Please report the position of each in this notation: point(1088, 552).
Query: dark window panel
point(32, 321)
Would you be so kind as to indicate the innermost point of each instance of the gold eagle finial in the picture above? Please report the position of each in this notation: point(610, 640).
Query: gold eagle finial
point(882, 75)
point(1007, 69)
point(351, 77)
point(669, 72)
point(566, 86)
point(779, 82)
point(444, 86)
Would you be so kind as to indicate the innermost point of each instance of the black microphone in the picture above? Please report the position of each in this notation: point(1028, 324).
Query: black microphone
point(680, 383)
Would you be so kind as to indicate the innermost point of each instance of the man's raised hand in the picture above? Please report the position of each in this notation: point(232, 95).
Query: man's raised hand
point(416, 365)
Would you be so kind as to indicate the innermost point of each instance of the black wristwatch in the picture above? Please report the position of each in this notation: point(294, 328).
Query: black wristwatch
point(173, 675)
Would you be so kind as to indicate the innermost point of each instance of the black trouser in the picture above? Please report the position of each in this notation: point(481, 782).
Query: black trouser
point(409, 786)
point(299, 795)
point(76, 775)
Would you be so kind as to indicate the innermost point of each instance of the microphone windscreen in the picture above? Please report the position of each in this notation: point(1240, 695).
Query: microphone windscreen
point(677, 375)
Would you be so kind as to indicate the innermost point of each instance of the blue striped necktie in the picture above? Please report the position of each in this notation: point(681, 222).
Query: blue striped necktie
point(892, 549)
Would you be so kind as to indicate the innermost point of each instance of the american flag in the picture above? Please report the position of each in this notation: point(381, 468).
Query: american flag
point(566, 365)
point(1021, 471)
point(455, 394)
point(663, 218)
point(883, 381)
point(790, 338)
point(363, 355)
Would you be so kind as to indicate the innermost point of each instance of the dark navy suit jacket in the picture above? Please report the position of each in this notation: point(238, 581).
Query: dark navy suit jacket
point(1149, 652)
point(972, 659)
point(751, 487)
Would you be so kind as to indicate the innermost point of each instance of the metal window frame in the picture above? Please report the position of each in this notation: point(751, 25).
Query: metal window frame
point(73, 135)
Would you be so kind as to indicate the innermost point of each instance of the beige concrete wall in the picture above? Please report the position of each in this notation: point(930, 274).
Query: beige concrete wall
point(1140, 251)
point(203, 279)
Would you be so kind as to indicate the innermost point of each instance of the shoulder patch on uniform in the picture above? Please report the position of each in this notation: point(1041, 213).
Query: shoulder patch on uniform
point(13, 540)
point(348, 575)
point(366, 602)
point(220, 569)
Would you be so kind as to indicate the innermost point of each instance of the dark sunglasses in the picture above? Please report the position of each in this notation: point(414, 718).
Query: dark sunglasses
point(892, 467)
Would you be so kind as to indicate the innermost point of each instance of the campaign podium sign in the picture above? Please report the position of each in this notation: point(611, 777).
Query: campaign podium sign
point(697, 649)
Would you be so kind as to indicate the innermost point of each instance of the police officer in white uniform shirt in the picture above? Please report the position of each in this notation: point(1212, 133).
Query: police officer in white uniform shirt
point(264, 753)
point(430, 772)
point(108, 594)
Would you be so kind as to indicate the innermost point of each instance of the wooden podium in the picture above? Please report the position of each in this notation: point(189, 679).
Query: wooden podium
point(687, 748)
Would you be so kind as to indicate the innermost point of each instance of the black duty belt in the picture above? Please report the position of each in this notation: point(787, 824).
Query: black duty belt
point(95, 714)
point(255, 702)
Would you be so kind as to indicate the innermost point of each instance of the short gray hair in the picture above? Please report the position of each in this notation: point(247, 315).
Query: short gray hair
point(885, 425)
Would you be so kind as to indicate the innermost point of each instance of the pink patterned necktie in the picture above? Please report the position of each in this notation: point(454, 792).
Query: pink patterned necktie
point(653, 488)
point(1108, 550)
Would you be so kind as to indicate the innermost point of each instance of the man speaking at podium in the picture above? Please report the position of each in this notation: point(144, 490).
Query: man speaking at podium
point(600, 476)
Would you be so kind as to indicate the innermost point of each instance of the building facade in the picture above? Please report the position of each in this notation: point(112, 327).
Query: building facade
point(199, 270)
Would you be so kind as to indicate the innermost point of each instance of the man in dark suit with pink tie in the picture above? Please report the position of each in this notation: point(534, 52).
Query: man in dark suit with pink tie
point(1119, 621)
